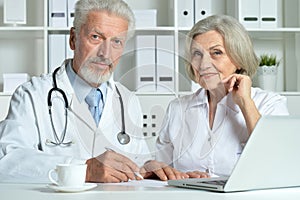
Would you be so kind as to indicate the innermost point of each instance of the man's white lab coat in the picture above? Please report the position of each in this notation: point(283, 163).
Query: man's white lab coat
point(24, 154)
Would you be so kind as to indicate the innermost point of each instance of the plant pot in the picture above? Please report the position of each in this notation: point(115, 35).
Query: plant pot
point(267, 77)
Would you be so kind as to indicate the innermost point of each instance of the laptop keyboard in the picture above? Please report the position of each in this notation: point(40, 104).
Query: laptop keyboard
point(220, 182)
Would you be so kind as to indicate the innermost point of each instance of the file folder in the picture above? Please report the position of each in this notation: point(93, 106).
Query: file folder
point(57, 50)
point(249, 13)
point(205, 8)
point(185, 13)
point(269, 13)
point(14, 12)
point(57, 13)
point(165, 64)
point(145, 63)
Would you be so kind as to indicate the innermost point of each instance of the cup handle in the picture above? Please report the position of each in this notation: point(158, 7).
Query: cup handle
point(50, 176)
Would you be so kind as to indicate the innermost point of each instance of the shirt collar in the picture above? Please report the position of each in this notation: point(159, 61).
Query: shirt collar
point(200, 98)
point(82, 88)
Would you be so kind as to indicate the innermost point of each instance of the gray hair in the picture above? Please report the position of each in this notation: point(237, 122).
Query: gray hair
point(117, 7)
point(238, 44)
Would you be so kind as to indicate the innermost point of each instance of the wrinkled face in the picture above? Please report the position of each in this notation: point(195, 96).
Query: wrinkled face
point(209, 59)
point(98, 46)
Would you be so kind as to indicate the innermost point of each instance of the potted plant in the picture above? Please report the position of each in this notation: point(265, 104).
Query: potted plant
point(268, 60)
point(267, 72)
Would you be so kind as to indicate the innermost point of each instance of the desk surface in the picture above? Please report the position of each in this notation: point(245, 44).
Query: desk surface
point(12, 191)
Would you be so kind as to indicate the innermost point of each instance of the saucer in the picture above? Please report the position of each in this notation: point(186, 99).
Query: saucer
point(86, 186)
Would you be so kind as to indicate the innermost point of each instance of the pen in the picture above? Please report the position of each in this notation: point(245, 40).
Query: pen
point(135, 173)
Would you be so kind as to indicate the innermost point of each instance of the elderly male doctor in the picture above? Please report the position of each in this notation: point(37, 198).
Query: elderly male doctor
point(32, 142)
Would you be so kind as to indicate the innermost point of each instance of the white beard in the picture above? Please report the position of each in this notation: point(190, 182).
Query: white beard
point(95, 76)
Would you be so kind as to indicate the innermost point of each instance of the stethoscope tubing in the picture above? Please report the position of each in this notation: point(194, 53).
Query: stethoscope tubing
point(58, 141)
point(122, 136)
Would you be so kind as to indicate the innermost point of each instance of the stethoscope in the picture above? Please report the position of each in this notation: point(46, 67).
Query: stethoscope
point(122, 136)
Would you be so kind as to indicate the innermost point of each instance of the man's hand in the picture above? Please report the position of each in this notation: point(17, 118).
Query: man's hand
point(110, 167)
point(152, 169)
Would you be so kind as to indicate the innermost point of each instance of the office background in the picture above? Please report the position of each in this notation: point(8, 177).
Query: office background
point(34, 40)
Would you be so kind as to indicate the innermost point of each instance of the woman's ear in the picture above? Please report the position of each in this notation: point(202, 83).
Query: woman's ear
point(72, 38)
point(238, 71)
point(241, 71)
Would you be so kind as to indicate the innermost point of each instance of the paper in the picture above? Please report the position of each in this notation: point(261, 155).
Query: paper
point(141, 183)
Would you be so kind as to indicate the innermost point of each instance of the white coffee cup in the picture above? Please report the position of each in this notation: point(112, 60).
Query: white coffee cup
point(68, 175)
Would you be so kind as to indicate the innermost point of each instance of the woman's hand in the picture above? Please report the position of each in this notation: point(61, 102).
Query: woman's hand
point(240, 86)
point(198, 174)
point(155, 169)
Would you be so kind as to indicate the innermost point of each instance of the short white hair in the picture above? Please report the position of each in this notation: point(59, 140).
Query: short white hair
point(116, 7)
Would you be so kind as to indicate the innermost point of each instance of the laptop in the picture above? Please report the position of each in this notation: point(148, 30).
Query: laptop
point(270, 159)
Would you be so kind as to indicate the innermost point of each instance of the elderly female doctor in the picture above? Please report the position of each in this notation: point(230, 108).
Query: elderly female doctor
point(206, 131)
point(32, 142)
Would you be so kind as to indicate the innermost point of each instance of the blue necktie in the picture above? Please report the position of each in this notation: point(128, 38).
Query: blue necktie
point(95, 102)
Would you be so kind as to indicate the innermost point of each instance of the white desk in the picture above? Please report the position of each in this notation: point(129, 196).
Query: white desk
point(10, 191)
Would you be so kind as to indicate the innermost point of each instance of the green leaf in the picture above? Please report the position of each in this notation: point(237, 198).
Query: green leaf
point(268, 60)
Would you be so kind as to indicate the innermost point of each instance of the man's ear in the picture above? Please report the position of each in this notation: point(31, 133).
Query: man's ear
point(72, 38)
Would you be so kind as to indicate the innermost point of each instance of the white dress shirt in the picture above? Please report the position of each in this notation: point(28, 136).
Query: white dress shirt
point(187, 143)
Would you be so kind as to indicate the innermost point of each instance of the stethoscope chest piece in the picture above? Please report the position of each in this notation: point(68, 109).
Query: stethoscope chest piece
point(123, 138)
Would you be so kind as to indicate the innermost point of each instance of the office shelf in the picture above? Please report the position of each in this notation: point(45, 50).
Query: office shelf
point(34, 35)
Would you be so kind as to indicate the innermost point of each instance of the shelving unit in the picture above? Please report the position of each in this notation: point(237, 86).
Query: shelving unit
point(283, 41)
point(24, 48)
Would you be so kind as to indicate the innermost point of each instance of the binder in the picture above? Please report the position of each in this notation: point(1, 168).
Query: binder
point(185, 13)
point(165, 63)
point(14, 12)
point(145, 63)
point(57, 13)
point(269, 14)
point(57, 50)
point(71, 11)
point(205, 8)
point(249, 13)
